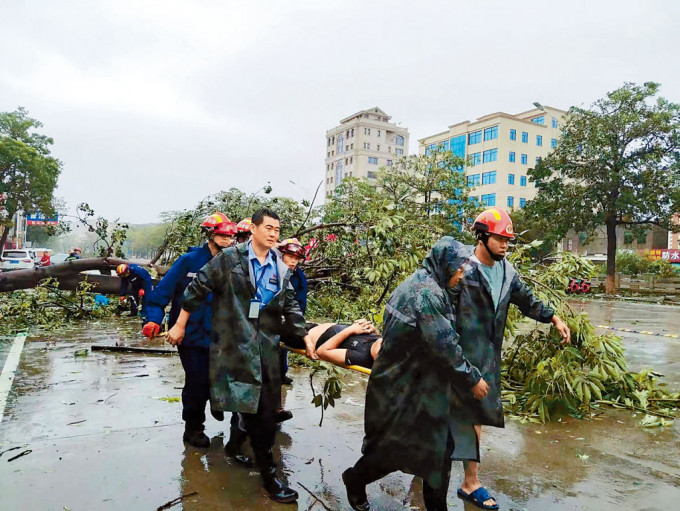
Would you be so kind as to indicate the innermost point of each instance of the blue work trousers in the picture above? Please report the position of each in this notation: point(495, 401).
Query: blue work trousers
point(196, 391)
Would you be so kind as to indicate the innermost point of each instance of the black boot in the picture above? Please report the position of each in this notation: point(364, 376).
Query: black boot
point(233, 449)
point(282, 416)
point(196, 437)
point(356, 492)
point(277, 489)
point(217, 414)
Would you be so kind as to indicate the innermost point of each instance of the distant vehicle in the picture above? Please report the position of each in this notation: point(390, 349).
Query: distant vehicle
point(58, 258)
point(17, 259)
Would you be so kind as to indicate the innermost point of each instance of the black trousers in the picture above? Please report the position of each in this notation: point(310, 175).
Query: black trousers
point(196, 391)
point(369, 469)
point(261, 426)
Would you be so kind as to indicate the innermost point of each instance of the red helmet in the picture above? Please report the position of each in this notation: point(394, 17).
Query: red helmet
point(213, 221)
point(293, 247)
point(494, 221)
point(225, 229)
point(122, 269)
point(77, 249)
point(243, 227)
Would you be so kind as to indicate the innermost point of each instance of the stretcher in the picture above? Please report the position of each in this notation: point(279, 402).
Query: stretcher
point(359, 369)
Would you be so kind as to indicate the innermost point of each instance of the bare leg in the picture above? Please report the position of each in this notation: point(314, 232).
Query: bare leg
point(471, 481)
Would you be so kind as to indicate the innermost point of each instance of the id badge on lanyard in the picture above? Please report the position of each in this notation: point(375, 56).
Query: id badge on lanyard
point(254, 310)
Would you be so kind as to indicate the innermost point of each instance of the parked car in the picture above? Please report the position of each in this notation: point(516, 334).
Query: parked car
point(17, 259)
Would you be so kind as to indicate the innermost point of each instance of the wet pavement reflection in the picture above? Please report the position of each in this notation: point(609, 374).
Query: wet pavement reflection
point(104, 435)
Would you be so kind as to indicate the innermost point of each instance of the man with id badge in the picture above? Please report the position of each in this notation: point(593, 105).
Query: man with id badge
point(253, 303)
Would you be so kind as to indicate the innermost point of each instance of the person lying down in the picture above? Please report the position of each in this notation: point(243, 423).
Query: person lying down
point(356, 344)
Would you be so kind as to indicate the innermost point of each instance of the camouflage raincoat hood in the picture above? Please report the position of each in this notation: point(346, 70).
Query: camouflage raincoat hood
point(445, 257)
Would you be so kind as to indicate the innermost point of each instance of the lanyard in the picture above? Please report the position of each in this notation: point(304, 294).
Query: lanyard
point(263, 269)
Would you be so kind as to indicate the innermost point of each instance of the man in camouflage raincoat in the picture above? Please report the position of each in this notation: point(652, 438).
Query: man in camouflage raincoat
point(410, 402)
point(249, 313)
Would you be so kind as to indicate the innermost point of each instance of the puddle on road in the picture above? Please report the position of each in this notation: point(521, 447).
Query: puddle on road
point(102, 440)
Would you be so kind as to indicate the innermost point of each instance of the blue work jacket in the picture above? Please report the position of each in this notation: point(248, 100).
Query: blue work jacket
point(299, 282)
point(139, 279)
point(171, 288)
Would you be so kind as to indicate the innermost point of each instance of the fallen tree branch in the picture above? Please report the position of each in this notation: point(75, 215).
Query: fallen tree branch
point(173, 502)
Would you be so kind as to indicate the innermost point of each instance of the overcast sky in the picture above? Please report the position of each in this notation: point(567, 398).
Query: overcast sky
point(155, 104)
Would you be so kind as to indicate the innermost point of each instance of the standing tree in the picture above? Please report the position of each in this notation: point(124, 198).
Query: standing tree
point(28, 173)
point(617, 163)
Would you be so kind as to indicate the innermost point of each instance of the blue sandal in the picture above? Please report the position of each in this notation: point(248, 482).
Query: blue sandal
point(478, 497)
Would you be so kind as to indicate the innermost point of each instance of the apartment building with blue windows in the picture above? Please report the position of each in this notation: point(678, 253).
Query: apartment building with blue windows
point(360, 145)
point(498, 149)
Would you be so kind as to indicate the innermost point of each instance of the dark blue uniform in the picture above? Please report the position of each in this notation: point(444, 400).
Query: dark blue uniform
point(194, 350)
point(138, 279)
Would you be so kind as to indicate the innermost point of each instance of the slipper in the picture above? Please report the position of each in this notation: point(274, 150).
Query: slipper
point(478, 497)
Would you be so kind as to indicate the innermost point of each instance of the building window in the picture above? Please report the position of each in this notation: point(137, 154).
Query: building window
point(539, 120)
point(398, 152)
point(511, 157)
point(458, 146)
point(524, 159)
point(371, 174)
point(539, 140)
point(538, 160)
point(513, 134)
point(399, 140)
point(554, 123)
point(389, 163)
point(511, 179)
point(329, 142)
point(341, 144)
point(378, 132)
point(378, 147)
point(347, 134)
point(490, 155)
point(367, 145)
point(475, 159)
point(346, 161)
point(372, 161)
point(491, 133)
point(338, 173)
point(489, 199)
point(367, 131)
point(553, 143)
point(525, 137)
point(475, 138)
point(522, 180)
point(489, 178)
point(351, 159)
point(473, 180)
point(522, 202)
point(511, 201)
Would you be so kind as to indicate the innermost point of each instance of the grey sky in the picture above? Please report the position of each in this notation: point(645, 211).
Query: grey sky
point(156, 104)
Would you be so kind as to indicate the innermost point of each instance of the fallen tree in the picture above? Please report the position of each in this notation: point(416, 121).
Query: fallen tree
point(68, 274)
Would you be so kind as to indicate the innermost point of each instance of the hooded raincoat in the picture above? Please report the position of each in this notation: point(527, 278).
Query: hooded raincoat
point(481, 328)
point(409, 399)
point(244, 352)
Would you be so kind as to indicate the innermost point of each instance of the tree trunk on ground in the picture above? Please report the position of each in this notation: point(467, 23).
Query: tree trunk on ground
point(610, 285)
point(159, 252)
point(68, 274)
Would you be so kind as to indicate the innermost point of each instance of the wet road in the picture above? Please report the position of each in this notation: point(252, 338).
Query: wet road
point(102, 439)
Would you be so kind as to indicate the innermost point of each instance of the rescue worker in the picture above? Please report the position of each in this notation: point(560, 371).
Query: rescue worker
point(490, 284)
point(253, 303)
point(135, 283)
point(243, 230)
point(409, 399)
point(293, 254)
point(194, 350)
point(74, 254)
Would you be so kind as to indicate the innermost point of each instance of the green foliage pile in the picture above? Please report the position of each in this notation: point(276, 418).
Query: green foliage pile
point(543, 378)
point(48, 308)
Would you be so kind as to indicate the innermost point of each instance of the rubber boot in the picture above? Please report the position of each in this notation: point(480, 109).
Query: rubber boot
point(217, 414)
point(277, 489)
point(282, 416)
point(234, 447)
point(435, 499)
point(356, 492)
point(196, 437)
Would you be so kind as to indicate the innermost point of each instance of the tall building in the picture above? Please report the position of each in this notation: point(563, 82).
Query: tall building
point(361, 144)
point(499, 149)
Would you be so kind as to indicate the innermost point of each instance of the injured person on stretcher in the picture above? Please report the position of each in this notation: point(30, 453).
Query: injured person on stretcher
point(356, 344)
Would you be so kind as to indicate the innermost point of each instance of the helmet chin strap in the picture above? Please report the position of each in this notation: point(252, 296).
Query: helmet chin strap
point(485, 241)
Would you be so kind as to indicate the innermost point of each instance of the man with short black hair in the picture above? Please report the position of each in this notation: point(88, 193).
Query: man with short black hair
point(253, 303)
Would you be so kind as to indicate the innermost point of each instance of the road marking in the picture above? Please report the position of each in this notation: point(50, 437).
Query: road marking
point(8, 371)
point(646, 332)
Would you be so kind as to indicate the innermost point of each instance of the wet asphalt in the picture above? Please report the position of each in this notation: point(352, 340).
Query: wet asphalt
point(104, 432)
